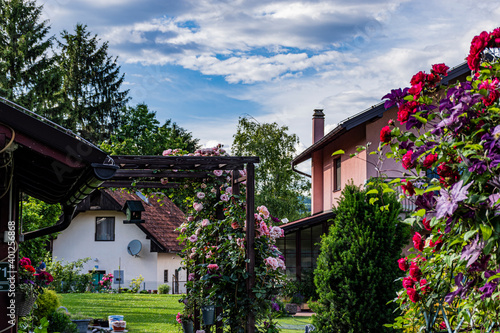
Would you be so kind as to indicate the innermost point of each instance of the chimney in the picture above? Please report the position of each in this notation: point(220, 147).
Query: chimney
point(318, 128)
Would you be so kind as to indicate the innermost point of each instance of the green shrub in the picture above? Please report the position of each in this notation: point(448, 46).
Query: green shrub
point(356, 270)
point(46, 303)
point(68, 277)
point(163, 289)
point(135, 284)
point(61, 322)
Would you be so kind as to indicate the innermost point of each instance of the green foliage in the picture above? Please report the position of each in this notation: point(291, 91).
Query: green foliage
point(37, 214)
point(90, 98)
point(68, 276)
point(61, 322)
point(356, 271)
point(46, 303)
point(277, 187)
point(26, 69)
point(140, 134)
point(163, 289)
point(135, 284)
point(42, 328)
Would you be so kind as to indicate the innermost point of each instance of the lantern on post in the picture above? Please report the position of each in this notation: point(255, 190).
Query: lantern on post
point(133, 209)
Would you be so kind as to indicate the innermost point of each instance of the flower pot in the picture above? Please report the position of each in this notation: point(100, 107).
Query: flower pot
point(119, 326)
point(24, 304)
point(81, 325)
point(291, 308)
point(208, 313)
point(187, 326)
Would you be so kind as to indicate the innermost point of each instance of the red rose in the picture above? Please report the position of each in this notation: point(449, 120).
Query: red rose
point(424, 288)
point(437, 244)
point(494, 38)
point(415, 90)
point(440, 69)
point(427, 224)
point(432, 79)
point(408, 188)
point(30, 268)
point(403, 264)
point(24, 261)
point(235, 225)
point(407, 163)
point(478, 44)
point(408, 282)
point(429, 160)
point(447, 175)
point(417, 78)
point(403, 115)
point(385, 134)
point(415, 271)
point(418, 242)
point(413, 295)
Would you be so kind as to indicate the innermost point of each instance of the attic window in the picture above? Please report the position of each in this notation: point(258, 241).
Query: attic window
point(142, 196)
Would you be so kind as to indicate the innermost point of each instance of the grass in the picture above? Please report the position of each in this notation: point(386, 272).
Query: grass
point(147, 312)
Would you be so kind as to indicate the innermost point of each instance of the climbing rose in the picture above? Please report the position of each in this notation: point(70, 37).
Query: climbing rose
point(408, 282)
point(224, 198)
point(429, 160)
point(407, 164)
point(385, 134)
point(200, 195)
point(413, 295)
point(418, 242)
point(213, 267)
point(415, 271)
point(218, 173)
point(440, 69)
point(197, 206)
point(193, 238)
point(403, 264)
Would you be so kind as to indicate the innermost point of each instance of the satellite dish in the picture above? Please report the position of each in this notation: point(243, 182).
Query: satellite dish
point(134, 247)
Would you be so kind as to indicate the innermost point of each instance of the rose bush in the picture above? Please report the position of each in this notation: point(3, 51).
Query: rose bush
point(450, 147)
point(214, 240)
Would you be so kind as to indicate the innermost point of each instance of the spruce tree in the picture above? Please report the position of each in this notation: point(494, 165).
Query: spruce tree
point(357, 265)
point(27, 74)
point(91, 98)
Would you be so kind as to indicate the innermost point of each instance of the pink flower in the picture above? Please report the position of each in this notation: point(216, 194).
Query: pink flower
point(178, 317)
point(200, 195)
point(240, 242)
point(197, 206)
point(218, 173)
point(276, 232)
point(272, 262)
point(183, 230)
point(263, 211)
point(193, 238)
point(190, 219)
point(229, 191)
point(167, 152)
point(213, 267)
point(205, 222)
point(191, 277)
point(224, 197)
point(164, 181)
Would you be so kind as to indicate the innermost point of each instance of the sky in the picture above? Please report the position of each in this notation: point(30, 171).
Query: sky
point(205, 63)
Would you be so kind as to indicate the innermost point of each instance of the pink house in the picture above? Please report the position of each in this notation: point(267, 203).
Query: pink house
point(329, 174)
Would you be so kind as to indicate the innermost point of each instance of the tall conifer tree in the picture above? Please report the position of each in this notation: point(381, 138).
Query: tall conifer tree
point(90, 98)
point(27, 74)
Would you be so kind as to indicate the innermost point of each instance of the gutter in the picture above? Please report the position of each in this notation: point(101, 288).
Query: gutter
point(298, 171)
point(101, 172)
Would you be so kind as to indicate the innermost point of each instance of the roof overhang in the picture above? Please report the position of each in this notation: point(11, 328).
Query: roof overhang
point(307, 222)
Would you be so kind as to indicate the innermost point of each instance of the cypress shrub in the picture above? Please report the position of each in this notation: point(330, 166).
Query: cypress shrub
point(357, 266)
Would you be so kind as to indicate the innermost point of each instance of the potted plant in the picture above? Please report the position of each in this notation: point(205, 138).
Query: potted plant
point(82, 322)
point(31, 284)
point(186, 320)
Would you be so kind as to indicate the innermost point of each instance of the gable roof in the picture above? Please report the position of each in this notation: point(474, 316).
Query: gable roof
point(367, 115)
point(161, 217)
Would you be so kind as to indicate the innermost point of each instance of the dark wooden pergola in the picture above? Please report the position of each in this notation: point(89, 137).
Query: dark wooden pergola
point(146, 172)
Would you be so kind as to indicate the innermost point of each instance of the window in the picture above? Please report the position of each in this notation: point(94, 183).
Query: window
point(165, 275)
point(336, 175)
point(105, 229)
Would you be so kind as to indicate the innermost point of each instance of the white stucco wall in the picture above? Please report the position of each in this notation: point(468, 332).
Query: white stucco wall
point(171, 262)
point(78, 241)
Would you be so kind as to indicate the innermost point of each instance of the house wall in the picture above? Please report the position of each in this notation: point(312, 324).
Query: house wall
point(389, 167)
point(78, 241)
point(171, 262)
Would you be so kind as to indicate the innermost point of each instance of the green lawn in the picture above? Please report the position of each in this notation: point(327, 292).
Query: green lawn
point(147, 312)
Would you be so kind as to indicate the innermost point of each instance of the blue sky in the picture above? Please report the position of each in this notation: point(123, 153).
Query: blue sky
point(205, 63)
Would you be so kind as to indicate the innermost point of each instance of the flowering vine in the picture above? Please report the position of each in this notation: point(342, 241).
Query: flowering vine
point(448, 144)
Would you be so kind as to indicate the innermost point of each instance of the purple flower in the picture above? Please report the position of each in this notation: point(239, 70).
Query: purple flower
point(426, 201)
point(478, 166)
point(275, 306)
point(489, 287)
point(395, 97)
point(461, 290)
point(472, 251)
point(447, 203)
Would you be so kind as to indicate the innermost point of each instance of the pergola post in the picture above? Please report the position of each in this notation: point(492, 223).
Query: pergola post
point(250, 238)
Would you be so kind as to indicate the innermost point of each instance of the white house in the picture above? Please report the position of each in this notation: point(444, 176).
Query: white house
point(127, 250)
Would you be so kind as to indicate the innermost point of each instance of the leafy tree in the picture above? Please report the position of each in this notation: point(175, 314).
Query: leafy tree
point(356, 271)
point(140, 134)
point(277, 187)
point(27, 72)
point(90, 97)
point(37, 214)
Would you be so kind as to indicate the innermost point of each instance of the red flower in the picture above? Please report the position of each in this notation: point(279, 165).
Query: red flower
point(385, 134)
point(429, 160)
point(24, 261)
point(432, 79)
point(424, 288)
point(417, 78)
point(235, 225)
point(495, 38)
point(408, 282)
point(407, 163)
point(447, 175)
point(442, 326)
point(44, 276)
point(427, 224)
point(403, 264)
point(478, 44)
point(437, 244)
point(29, 268)
point(440, 69)
point(415, 271)
point(413, 295)
point(416, 89)
point(418, 242)
point(408, 188)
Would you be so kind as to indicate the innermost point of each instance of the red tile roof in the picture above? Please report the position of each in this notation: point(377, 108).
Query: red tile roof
point(161, 219)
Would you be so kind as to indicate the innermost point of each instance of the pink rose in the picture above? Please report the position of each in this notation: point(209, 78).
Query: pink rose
point(167, 152)
point(193, 238)
point(213, 267)
point(229, 191)
point(205, 222)
point(197, 206)
point(224, 198)
point(200, 195)
point(218, 173)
